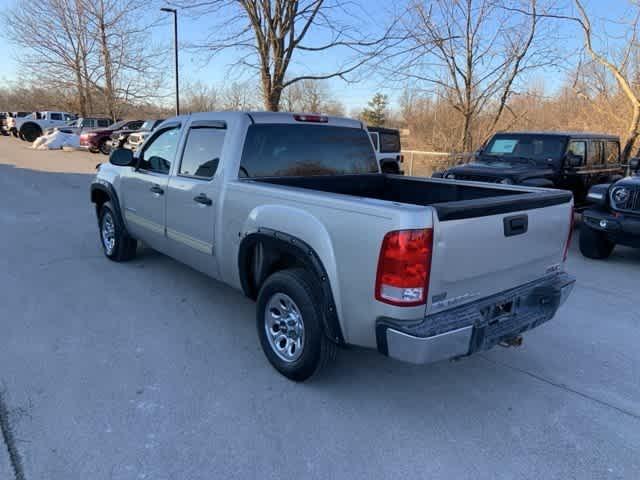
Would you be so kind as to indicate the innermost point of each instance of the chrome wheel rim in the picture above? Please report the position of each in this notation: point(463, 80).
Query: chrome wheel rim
point(108, 233)
point(284, 327)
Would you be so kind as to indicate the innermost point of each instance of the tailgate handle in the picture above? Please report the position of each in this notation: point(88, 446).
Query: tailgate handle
point(516, 225)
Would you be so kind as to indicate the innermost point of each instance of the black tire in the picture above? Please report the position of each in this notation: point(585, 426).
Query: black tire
point(30, 132)
point(105, 147)
point(124, 246)
point(595, 244)
point(14, 133)
point(317, 350)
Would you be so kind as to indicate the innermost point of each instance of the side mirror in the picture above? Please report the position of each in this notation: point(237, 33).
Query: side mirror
point(574, 161)
point(122, 157)
point(634, 164)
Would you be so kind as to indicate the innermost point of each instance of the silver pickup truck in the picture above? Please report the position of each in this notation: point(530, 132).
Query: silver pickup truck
point(293, 210)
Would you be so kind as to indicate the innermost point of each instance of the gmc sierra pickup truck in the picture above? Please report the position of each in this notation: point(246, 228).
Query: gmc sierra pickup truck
point(292, 210)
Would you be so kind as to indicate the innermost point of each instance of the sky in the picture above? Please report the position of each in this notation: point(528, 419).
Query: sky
point(195, 68)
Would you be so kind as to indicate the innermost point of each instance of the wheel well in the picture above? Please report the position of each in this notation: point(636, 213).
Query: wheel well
point(264, 253)
point(99, 197)
point(389, 166)
point(31, 125)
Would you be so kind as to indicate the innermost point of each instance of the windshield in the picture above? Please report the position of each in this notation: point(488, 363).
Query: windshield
point(117, 125)
point(148, 125)
point(535, 147)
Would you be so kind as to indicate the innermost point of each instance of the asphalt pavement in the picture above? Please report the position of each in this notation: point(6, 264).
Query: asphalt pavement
point(150, 370)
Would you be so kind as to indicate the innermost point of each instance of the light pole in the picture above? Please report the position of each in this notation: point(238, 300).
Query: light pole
point(175, 47)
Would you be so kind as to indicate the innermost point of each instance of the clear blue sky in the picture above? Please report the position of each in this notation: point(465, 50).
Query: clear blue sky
point(352, 95)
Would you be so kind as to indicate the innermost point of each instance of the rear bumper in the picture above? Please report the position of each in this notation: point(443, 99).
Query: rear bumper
point(476, 326)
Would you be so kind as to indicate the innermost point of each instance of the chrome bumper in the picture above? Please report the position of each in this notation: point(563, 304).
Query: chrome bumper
point(476, 326)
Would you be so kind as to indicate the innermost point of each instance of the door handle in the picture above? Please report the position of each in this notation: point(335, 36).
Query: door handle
point(203, 199)
point(157, 190)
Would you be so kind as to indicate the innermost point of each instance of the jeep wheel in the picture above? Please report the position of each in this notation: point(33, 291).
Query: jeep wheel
point(594, 244)
point(105, 147)
point(289, 322)
point(116, 242)
point(30, 132)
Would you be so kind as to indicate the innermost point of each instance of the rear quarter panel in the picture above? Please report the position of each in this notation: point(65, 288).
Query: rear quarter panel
point(346, 233)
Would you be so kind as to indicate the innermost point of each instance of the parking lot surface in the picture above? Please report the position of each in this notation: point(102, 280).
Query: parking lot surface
point(150, 370)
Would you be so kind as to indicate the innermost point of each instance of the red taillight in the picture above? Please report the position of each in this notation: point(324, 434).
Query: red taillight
point(404, 267)
point(311, 118)
point(569, 236)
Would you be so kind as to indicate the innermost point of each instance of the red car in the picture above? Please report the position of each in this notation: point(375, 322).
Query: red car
point(99, 139)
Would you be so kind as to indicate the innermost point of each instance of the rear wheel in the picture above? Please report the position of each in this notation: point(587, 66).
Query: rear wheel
point(116, 242)
point(595, 244)
point(30, 132)
point(391, 168)
point(290, 327)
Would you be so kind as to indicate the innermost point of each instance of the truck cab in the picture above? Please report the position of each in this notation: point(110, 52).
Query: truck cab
point(33, 126)
point(565, 160)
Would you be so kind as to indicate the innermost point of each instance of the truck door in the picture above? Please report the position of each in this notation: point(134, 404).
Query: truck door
point(144, 189)
point(193, 194)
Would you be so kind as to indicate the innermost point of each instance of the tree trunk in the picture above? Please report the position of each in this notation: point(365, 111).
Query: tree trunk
point(106, 59)
point(632, 136)
point(467, 139)
point(82, 99)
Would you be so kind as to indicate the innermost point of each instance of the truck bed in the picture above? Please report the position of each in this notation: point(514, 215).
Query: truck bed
point(452, 201)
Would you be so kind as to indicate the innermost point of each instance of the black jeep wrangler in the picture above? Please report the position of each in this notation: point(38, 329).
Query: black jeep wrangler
point(613, 216)
point(570, 161)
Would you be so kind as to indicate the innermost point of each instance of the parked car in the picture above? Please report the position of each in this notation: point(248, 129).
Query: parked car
point(3, 122)
point(135, 139)
point(10, 122)
point(292, 209)
point(570, 161)
point(119, 138)
point(33, 126)
point(613, 216)
point(386, 143)
point(78, 126)
point(99, 139)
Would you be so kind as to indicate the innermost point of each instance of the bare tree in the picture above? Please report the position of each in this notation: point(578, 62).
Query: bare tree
point(311, 96)
point(471, 53)
point(199, 97)
point(618, 62)
point(272, 34)
point(55, 45)
point(129, 66)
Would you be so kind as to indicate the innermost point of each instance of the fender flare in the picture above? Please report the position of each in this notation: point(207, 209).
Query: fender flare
point(105, 187)
point(304, 253)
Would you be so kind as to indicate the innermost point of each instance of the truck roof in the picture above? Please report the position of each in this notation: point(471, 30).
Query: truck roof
point(383, 130)
point(277, 117)
point(607, 136)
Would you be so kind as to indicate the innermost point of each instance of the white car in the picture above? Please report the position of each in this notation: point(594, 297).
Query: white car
point(33, 126)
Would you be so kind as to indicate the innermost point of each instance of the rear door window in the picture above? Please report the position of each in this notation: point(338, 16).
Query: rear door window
point(594, 154)
point(104, 122)
point(56, 116)
point(389, 142)
point(611, 153)
point(202, 152)
point(289, 150)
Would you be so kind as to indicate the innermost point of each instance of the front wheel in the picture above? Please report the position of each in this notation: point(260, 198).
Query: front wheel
point(105, 147)
point(290, 327)
point(595, 244)
point(116, 242)
point(30, 132)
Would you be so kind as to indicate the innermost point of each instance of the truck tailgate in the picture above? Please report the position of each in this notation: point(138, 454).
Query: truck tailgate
point(485, 254)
